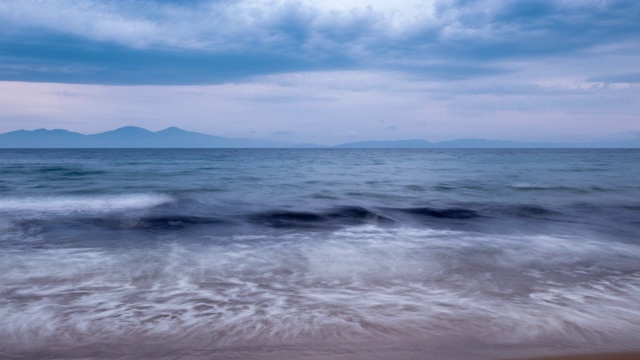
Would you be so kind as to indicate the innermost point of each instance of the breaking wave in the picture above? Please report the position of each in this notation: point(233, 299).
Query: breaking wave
point(78, 204)
point(361, 282)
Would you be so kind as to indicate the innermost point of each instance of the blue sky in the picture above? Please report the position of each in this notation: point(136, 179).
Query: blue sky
point(325, 71)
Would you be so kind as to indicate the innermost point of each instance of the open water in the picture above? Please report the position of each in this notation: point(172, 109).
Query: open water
point(144, 253)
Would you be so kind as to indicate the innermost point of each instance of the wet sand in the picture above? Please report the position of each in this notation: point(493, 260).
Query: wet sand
point(599, 356)
point(337, 354)
point(346, 351)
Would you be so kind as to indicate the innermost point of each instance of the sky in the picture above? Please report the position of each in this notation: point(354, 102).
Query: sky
point(326, 72)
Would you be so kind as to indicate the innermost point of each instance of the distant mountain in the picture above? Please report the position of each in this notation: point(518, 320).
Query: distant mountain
point(131, 137)
point(494, 144)
point(41, 138)
point(173, 137)
point(483, 144)
point(458, 143)
point(619, 144)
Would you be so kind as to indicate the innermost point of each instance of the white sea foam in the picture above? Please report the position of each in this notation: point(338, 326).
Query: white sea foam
point(75, 204)
point(357, 283)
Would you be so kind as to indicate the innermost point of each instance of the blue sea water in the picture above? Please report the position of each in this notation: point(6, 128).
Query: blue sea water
point(122, 252)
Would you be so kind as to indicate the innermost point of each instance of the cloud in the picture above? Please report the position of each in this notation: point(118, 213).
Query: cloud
point(325, 71)
point(351, 108)
point(172, 42)
point(628, 78)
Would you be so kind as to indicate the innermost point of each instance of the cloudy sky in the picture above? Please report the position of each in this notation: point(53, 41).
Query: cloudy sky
point(326, 71)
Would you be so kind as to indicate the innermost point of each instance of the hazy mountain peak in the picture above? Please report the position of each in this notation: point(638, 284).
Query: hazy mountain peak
point(173, 129)
point(43, 130)
point(131, 129)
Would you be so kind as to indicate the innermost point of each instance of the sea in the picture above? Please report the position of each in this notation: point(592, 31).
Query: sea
point(318, 253)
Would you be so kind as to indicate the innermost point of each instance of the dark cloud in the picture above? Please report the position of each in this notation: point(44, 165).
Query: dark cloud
point(535, 28)
point(69, 59)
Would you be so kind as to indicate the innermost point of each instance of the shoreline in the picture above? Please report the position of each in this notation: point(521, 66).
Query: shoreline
point(623, 355)
point(352, 351)
point(346, 355)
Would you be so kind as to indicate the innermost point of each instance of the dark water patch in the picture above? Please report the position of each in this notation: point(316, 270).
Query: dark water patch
point(55, 170)
point(356, 214)
point(249, 178)
point(464, 186)
point(174, 222)
point(24, 231)
point(416, 188)
point(471, 185)
point(561, 189)
point(286, 218)
point(291, 186)
point(183, 194)
point(448, 213)
point(119, 223)
point(159, 222)
point(604, 167)
point(83, 173)
point(531, 211)
point(613, 213)
point(105, 222)
point(71, 230)
point(634, 207)
point(66, 173)
point(343, 215)
point(109, 231)
point(601, 189)
point(370, 195)
point(322, 195)
point(42, 186)
point(443, 188)
point(14, 170)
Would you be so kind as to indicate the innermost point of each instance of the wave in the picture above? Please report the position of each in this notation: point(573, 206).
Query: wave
point(356, 283)
point(176, 222)
point(77, 204)
point(560, 188)
point(355, 215)
point(163, 212)
point(341, 215)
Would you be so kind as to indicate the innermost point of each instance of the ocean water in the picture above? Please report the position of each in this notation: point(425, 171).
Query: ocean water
point(238, 253)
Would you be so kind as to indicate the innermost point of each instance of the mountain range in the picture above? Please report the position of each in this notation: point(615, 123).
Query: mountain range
point(173, 137)
point(128, 137)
